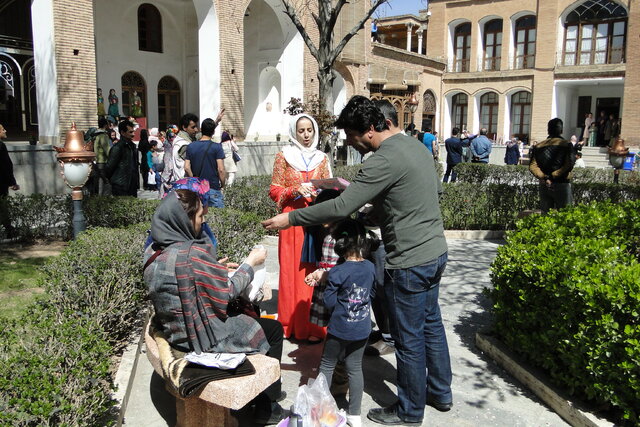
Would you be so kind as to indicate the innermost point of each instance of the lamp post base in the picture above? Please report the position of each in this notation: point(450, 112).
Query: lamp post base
point(79, 220)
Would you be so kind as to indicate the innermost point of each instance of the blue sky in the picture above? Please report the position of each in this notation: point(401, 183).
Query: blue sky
point(401, 7)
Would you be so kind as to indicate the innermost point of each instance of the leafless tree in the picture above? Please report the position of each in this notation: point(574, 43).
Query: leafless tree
point(326, 52)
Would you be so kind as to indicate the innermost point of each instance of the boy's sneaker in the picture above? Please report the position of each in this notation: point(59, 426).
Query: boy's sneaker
point(354, 420)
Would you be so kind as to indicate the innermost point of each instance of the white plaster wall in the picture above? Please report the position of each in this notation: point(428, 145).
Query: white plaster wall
point(270, 40)
point(46, 74)
point(116, 29)
point(208, 61)
point(339, 94)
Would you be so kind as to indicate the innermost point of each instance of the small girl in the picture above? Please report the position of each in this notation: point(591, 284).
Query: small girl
point(350, 287)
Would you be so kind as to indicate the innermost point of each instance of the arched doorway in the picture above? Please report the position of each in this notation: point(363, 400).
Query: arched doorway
point(428, 110)
point(133, 82)
point(169, 111)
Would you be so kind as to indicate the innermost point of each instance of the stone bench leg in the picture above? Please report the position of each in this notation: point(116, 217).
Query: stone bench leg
point(194, 412)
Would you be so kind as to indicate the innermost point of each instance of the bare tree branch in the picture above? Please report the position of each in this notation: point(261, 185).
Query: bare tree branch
point(291, 13)
point(338, 49)
point(336, 12)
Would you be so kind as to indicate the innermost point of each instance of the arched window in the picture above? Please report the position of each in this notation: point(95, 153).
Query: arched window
point(149, 28)
point(9, 94)
point(428, 110)
point(168, 102)
point(133, 82)
point(489, 113)
point(521, 115)
point(595, 33)
point(492, 44)
point(525, 42)
point(462, 47)
point(459, 104)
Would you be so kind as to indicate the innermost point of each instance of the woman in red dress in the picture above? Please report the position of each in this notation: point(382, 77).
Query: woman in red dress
point(295, 166)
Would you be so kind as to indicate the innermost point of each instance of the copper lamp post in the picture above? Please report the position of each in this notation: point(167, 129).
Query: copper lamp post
point(76, 159)
point(413, 106)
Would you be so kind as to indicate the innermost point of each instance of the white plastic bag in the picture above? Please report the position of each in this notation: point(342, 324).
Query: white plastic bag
point(317, 407)
point(151, 178)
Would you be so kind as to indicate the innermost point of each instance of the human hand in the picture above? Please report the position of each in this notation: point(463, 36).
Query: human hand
point(229, 265)
point(220, 116)
point(312, 279)
point(257, 256)
point(306, 189)
point(278, 222)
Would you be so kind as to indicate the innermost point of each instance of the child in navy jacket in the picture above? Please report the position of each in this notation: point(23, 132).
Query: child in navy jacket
point(350, 288)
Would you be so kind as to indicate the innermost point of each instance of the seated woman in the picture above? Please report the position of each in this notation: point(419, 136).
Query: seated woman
point(193, 297)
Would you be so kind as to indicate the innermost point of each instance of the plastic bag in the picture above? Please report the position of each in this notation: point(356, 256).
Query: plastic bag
point(151, 178)
point(316, 406)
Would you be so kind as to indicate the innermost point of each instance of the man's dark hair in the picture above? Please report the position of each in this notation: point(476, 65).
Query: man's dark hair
point(388, 110)
point(360, 114)
point(102, 123)
point(428, 129)
point(208, 127)
point(123, 125)
point(554, 127)
point(455, 131)
point(186, 119)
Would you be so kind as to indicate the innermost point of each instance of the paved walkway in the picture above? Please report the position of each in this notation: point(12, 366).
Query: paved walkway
point(483, 393)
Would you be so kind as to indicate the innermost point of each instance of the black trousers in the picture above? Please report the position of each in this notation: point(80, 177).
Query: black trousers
point(274, 333)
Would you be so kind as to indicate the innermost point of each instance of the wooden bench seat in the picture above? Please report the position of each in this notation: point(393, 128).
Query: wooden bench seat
point(211, 405)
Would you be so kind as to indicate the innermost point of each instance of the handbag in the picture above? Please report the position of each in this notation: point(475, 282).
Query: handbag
point(236, 156)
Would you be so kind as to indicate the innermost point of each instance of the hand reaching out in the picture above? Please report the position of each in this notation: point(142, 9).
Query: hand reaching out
point(314, 278)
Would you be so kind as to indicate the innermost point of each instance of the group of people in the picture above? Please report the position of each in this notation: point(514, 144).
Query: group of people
point(329, 275)
point(161, 158)
point(600, 132)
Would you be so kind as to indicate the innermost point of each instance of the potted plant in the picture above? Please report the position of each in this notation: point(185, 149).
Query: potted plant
point(278, 136)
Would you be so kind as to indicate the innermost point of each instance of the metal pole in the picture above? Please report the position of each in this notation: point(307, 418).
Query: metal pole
point(79, 220)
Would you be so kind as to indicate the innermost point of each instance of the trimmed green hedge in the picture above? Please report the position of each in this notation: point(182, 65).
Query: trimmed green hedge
point(566, 292)
point(475, 173)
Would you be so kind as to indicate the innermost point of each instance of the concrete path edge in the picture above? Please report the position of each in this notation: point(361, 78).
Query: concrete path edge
point(537, 382)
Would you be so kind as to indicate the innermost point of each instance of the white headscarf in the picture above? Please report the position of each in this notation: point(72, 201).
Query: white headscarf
point(303, 158)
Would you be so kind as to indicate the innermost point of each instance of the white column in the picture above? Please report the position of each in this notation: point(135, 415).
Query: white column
point(409, 27)
point(208, 59)
point(46, 71)
point(419, 33)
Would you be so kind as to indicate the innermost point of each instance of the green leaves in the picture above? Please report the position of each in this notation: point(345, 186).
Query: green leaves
point(566, 292)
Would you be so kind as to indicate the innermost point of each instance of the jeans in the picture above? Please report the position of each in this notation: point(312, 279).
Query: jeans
point(215, 199)
point(420, 339)
point(555, 197)
point(450, 172)
point(351, 351)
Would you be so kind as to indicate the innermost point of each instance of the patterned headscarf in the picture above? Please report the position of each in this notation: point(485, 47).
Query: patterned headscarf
point(197, 185)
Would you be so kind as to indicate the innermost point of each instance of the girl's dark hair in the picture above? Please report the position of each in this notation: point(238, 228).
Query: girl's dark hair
point(351, 238)
point(190, 202)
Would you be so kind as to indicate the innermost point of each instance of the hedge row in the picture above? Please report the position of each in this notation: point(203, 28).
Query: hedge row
point(475, 173)
point(566, 292)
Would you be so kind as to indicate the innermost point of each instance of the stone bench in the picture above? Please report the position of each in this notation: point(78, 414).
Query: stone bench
point(211, 406)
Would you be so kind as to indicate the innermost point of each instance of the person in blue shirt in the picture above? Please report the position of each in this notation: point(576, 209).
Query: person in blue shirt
point(481, 148)
point(429, 140)
point(205, 159)
point(348, 294)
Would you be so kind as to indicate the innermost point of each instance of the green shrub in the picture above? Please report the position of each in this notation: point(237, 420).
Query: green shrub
point(115, 212)
point(566, 292)
point(236, 231)
point(475, 173)
point(38, 216)
point(54, 370)
point(98, 276)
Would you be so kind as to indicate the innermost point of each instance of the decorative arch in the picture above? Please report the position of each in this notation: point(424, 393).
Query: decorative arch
point(452, 43)
point(169, 96)
point(149, 28)
point(133, 82)
point(429, 109)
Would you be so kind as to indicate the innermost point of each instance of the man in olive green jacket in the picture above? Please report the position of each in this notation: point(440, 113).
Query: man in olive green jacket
point(102, 146)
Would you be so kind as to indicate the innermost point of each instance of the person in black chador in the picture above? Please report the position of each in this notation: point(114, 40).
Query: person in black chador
point(7, 181)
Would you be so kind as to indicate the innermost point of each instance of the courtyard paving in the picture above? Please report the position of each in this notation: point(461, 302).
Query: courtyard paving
point(483, 393)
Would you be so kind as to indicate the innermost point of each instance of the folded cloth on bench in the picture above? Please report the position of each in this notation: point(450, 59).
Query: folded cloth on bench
point(217, 360)
point(186, 378)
